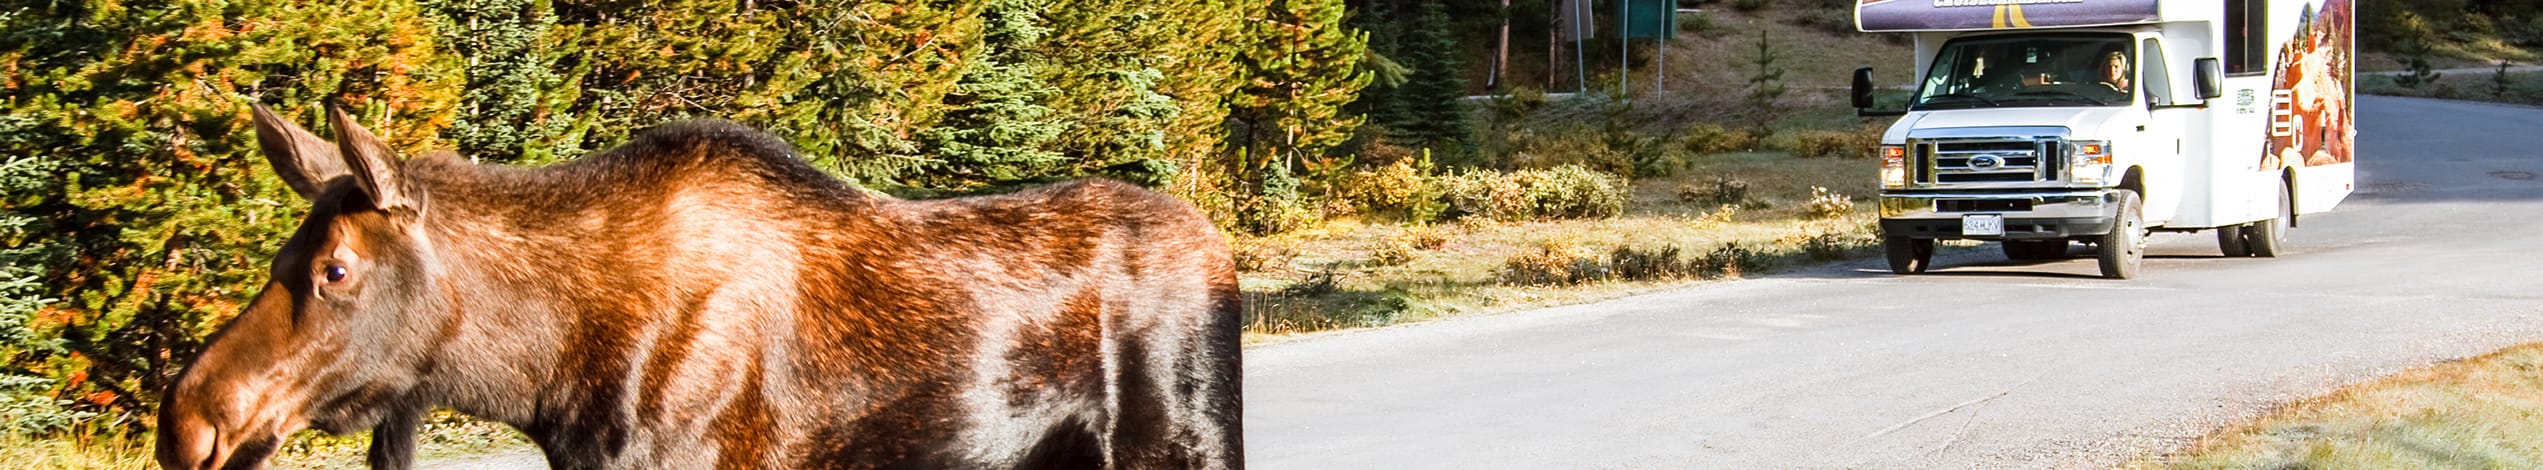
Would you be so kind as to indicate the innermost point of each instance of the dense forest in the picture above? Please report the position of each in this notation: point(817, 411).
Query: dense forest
point(137, 217)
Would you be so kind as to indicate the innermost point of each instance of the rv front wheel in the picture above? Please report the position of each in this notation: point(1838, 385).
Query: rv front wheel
point(1909, 255)
point(2123, 250)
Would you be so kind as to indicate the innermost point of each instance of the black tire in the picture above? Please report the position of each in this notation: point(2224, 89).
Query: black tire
point(2123, 250)
point(2230, 240)
point(2268, 238)
point(1909, 255)
point(2024, 250)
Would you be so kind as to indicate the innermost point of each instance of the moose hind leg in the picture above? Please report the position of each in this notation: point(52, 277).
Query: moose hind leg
point(1178, 405)
point(1072, 444)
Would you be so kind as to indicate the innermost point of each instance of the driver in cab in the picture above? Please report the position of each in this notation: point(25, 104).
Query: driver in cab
point(2113, 71)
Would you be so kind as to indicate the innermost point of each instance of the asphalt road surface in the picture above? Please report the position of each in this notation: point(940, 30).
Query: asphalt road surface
point(1981, 364)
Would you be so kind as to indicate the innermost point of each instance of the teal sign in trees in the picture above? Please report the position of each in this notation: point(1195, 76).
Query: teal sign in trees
point(1651, 19)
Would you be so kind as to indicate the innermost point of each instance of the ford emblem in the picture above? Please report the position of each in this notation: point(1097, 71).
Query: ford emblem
point(1985, 162)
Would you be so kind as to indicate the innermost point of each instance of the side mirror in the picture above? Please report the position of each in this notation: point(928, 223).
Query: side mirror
point(2210, 77)
point(1863, 88)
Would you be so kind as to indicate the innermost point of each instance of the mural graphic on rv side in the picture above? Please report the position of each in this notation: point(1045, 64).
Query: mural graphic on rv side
point(2309, 116)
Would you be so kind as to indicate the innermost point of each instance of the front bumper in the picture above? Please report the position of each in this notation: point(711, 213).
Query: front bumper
point(2027, 215)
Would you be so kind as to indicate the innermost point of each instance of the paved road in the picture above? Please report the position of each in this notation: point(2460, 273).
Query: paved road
point(1983, 364)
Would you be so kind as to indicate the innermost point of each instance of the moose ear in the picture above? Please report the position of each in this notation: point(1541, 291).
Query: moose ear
point(373, 164)
point(305, 161)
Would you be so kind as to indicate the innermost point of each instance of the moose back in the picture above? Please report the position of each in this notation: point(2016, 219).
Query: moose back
point(701, 298)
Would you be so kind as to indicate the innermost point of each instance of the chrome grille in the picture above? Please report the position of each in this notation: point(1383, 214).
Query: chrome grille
point(1985, 160)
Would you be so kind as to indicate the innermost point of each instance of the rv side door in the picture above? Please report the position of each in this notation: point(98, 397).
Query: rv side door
point(2162, 136)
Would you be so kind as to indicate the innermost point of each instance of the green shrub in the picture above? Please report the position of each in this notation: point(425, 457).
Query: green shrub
point(1732, 260)
point(1826, 243)
point(1649, 156)
point(1710, 138)
point(1550, 262)
point(1838, 21)
point(1832, 144)
point(1827, 204)
point(1395, 250)
point(1262, 255)
point(1485, 194)
point(1751, 5)
point(1573, 192)
point(1639, 265)
point(1701, 24)
point(1724, 190)
point(1405, 190)
point(1565, 192)
point(1427, 238)
point(1581, 146)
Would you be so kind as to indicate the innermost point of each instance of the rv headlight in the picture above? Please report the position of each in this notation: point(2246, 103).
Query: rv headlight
point(1893, 166)
point(2088, 161)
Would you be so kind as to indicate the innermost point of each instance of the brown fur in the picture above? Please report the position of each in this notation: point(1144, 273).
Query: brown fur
point(701, 298)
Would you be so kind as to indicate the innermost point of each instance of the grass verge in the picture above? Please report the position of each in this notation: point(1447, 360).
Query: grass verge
point(1675, 231)
point(2483, 412)
point(445, 435)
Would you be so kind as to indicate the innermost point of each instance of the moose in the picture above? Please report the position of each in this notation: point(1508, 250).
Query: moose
point(700, 297)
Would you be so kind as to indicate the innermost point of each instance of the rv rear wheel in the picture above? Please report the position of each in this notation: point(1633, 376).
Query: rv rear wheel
point(2230, 239)
point(2267, 238)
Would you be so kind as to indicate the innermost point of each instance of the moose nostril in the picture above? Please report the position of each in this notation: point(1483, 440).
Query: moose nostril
point(186, 440)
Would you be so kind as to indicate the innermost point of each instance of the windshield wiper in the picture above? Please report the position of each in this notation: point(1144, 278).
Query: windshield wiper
point(2064, 94)
point(1980, 99)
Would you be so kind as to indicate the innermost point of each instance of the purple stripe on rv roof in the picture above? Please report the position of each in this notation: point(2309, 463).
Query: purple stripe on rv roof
point(1928, 15)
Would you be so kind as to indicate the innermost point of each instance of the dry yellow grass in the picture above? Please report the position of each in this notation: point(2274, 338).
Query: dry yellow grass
point(445, 435)
point(1353, 273)
point(2483, 412)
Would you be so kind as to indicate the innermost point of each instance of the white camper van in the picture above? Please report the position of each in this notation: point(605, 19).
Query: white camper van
point(2039, 123)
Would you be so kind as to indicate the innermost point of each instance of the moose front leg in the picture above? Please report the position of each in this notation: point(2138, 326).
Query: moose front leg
point(393, 441)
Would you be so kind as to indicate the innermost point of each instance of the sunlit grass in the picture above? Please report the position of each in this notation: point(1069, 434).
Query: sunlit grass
point(445, 435)
point(1334, 281)
point(2483, 412)
point(111, 451)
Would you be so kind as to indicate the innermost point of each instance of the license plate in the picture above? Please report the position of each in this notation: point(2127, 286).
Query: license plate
point(1982, 225)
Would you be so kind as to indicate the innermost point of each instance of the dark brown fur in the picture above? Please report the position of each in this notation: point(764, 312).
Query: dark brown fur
point(701, 298)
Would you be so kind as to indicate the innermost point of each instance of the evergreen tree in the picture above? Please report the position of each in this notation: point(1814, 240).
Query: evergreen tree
point(1765, 85)
point(1304, 67)
point(156, 217)
point(1121, 64)
point(849, 84)
point(1433, 98)
point(507, 112)
point(996, 127)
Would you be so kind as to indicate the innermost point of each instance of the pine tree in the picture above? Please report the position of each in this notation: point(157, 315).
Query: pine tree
point(2411, 39)
point(156, 218)
point(1433, 99)
point(507, 112)
point(1124, 62)
point(1304, 68)
point(996, 127)
point(1765, 85)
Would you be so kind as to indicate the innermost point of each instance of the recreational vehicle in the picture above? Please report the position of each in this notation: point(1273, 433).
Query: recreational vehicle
point(2041, 124)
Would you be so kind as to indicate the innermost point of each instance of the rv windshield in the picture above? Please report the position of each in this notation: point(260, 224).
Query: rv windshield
point(2031, 70)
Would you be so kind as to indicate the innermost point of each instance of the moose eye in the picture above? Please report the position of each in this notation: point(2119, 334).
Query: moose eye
point(335, 273)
